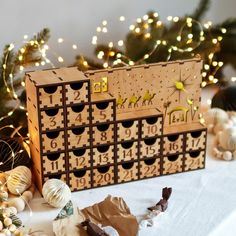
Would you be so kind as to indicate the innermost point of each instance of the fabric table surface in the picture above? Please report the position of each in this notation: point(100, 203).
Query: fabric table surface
point(203, 202)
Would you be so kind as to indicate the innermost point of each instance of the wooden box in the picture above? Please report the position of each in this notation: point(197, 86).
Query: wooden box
point(127, 151)
point(103, 175)
point(150, 167)
point(79, 158)
point(103, 155)
point(78, 137)
point(115, 125)
point(80, 179)
point(127, 172)
point(78, 115)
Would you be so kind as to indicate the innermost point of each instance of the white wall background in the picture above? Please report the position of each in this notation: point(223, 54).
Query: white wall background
point(76, 20)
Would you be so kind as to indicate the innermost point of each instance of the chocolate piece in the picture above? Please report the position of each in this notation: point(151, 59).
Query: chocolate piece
point(163, 203)
point(93, 229)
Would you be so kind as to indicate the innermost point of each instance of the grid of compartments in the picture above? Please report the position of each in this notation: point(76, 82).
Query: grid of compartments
point(78, 137)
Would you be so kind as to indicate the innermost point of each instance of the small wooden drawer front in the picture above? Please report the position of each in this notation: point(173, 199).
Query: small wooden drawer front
point(53, 141)
point(127, 130)
point(62, 177)
point(78, 137)
point(196, 140)
point(151, 127)
point(127, 151)
point(149, 168)
point(103, 112)
point(150, 147)
point(52, 119)
point(77, 92)
point(54, 163)
point(50, 96)
point(103, 176)
point(103, 134)
point(103, 155)
point(79, 158)
point(78, 115)
point(172, 164)
point(173, 143)
point(127, 172)
point(194, 160)
point(80, 179)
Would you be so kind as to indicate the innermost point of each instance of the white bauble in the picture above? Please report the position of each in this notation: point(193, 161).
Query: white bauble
point(19, 179)
point(227, 139)
point(215, 116)
point(56, 193)
point(18, 203)
point(227, 156)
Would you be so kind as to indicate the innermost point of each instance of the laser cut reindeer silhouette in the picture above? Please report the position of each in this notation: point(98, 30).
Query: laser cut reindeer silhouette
point(134, 100)
point(148, 98)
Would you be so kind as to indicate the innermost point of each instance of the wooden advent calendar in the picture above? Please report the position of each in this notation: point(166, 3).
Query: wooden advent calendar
point(115, 125)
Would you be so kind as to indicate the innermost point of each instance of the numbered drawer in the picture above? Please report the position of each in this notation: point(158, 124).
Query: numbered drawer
point(78, 137)
point(50, 96)
point(127, 151)
point(194, 160)
point(53, 141)
point(103, 176)
point(196, 140)
point(103, 134)
point(151, 126)
point(54, 163)
point(173, 164)
point(103, 155)
point(103, 112)
point(62, 177)
point(173, 143)
point(80, 179)
point(78, 115)
point(149, 168)
point(52, 119)
point(127, 172)
point(150, 147)
point(127, 130)
point(79, 159)
point(77, 92)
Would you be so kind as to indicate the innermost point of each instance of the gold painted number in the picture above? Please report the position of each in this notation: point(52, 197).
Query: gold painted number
point(76, 95)
point(54, 165)
point(173, 146)
point(195, 142)
point(52, 121)
point(150, 170)
point(53, 143)
point(103, 136)
point(103, 115)
point(104, 178)
point(80, 162)
point(128, 133)
point(103, 158)
point(152, 129)
point(128, 174)
point(150, 150)
point(80, 182)
point(172, 167)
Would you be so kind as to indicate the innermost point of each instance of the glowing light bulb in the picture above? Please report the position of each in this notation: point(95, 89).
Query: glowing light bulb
point(137, 30)
point(105, 64)
point(214, 41)
point(155, 14)
point(11, 46)
point(25, 36)
point(210, 56)
point(206, 67)
point(145, 17)
point(131, 27)
point(99, 29)
point(204, 83)
point(139, 20)
point(220, 63)
point(60, 59)
point(110, 45)
point(85, 63)
point(74, 46)
point(104, 22)
point(178, 38)
point(36, 64)
point(131, 63)
point(223, 30)
point(176, 19)
point(159, 23)
point(147, 35)
point(120, 43)
point(60, 40)
point(104, 30)
point(146, 56)
point(122, 18)
point(20, 58)
point(169, 18)
point(22, 50)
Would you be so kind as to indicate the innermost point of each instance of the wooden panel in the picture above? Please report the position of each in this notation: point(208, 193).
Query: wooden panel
point(196, 140)
point(77, 92)
point(50, 96)
point(52, 119)
point(127, 130)
point(150, 147)
point(54, 163)
point(103, 134)
point(172, 164)
point(53, 141)
point(103, 155)
point(80, 179)
point(79, 159)
point(78, 137)
point(194, 160)
point(127, 151)
point(62, 177)
point(103, 176)
point(127, 172)
point(149, 168)
point(151, 126)
point(173, 143)
point(103, 112)
point(78, 115)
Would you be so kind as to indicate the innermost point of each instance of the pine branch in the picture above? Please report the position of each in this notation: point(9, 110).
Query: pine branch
point(201, 10)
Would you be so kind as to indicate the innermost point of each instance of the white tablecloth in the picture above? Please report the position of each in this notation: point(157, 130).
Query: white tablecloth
point(203, 202)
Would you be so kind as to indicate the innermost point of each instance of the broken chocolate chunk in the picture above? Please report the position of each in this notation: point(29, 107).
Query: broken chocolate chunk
point(93, 229)
point(163, 203)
